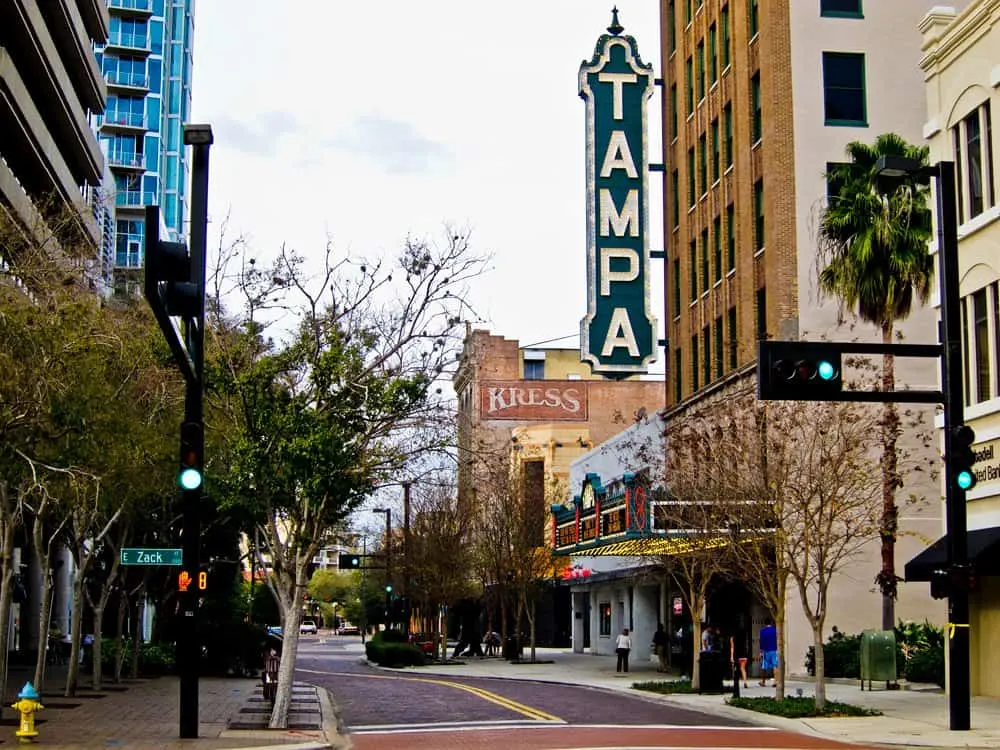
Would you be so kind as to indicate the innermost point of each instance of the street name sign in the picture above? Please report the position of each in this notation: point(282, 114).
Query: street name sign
point(618, 336)
point(150, 556)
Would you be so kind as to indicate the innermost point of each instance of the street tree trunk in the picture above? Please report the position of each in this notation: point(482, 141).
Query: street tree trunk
point(820, 663)
point(73, 669)
point(7, 521)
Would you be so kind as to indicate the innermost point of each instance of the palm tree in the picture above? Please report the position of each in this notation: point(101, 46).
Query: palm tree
point(873, 241)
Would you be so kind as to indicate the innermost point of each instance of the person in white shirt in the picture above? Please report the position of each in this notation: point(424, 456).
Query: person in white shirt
point(622, 646)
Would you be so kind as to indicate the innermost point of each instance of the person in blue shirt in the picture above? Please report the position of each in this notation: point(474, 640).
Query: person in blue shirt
point(768, 652)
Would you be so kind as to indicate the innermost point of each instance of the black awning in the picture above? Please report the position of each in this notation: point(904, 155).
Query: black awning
point(984, 551)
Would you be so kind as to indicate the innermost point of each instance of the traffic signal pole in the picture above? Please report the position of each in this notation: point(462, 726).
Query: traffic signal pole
point(959, 692)
point(188, 645)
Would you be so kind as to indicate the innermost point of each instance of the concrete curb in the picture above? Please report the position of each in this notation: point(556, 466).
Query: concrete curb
point(333, 722)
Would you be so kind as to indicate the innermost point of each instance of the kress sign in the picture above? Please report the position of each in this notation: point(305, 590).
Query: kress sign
point(618, 334)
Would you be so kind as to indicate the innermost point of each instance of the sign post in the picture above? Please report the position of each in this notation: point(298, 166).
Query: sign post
point(618, 336)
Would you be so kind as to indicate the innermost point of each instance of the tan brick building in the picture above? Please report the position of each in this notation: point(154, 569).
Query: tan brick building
point(759, 98)
point(540, 406)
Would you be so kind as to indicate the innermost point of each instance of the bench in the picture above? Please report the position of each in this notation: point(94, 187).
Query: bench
point(269, 676)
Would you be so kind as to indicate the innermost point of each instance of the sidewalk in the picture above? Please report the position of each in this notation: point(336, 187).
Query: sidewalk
point(915, 717)
point(145, 714)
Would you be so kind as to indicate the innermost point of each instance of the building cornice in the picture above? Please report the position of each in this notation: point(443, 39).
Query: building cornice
point(947, 34)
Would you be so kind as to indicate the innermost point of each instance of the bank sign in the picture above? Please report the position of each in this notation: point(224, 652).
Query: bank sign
point(618, 334)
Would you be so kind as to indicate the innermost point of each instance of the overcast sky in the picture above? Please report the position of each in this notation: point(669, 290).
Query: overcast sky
point(376, 119)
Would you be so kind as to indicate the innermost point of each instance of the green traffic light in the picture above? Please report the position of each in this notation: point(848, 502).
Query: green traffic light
point(965, 479)
point(388, 589)
point(826, 370)
point(189, 478)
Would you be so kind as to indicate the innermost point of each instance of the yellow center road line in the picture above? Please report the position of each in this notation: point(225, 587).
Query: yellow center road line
point(486, 695)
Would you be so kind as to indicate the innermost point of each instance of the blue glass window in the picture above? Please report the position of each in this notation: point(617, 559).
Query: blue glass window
point(155, 76)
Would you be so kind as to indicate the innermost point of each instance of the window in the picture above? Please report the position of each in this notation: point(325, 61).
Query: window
point(695, 363)
point(844, 89)
point(703, 163)
point(719, 351)
point(716, 155)
point(701, 70)
point(693, 268)
point(762, 313)
point(724, 26)
point(673, 112)
point(758, 124)
point(692, 188)
point(754, 17)
point(731, 237)
point(717, 246)
point(704, 261)
point(706, 349)
point(672, 26)
point(534, 369)
point(678, 381)
point(973, 139)
point(727, 122)
point(758, 210)
point(713, 53)
point(840, 8)
point(981, 345)
point(675, 181)
point(533, 492)
point(677, 286)
point(732, 339)
point(689, 81)
point(605, 618)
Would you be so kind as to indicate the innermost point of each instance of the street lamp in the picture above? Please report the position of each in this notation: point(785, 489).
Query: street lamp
point(943, 173)
point(388, 559)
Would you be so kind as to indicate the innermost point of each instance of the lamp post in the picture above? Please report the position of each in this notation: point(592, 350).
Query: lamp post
point(943, 173)
point(388, 559)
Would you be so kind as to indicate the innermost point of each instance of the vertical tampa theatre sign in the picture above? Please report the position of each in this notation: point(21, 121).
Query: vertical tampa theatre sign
point(618, 334)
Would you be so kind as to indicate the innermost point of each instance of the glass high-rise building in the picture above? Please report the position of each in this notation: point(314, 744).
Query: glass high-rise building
point(146, 64)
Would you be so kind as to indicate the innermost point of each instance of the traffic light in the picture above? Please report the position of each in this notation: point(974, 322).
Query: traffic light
point(189, 477)
point(798, 371)
point(962, 457)
point(940, 584)
point(388, 588)
point(168, 273)
point(349, 562)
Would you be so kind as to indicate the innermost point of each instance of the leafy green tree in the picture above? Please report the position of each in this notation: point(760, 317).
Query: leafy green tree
point(331, 586)
point(316, 420)
point(873, 240)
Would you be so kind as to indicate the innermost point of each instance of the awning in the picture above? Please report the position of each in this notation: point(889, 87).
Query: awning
point(984, 551)
point(660, 545)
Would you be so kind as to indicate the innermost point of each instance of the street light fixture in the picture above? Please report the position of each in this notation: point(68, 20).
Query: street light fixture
point(943, 174)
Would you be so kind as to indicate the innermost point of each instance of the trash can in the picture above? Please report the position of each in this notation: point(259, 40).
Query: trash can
point(713, 666)
point(878, 656)
point(511, 650)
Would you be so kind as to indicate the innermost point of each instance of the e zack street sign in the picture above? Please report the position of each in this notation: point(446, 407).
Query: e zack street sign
point(618, 334)
point(150, 556)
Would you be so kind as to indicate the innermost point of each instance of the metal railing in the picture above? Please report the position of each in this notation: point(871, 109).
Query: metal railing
point(143, 5)
point(130, 41)
point(134, 198)
point(135, 80)
point(125, 119)
point(125, 159)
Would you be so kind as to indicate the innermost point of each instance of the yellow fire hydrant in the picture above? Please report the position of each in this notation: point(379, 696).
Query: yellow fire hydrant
point(27, 706)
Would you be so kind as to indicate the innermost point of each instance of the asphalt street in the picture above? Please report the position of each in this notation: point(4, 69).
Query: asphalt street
point(384, 709)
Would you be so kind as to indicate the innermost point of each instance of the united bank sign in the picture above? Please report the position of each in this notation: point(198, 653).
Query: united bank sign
point(618, 334)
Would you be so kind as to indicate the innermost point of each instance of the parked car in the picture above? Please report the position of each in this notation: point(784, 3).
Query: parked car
point(347, 628)
point(308, 627)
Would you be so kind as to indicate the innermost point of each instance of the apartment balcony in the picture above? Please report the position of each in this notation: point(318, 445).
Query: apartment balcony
point(136, 199)
point(122, 122)
point(131, 8)
point(127, 160)
point(128, 83)
point(124, 43)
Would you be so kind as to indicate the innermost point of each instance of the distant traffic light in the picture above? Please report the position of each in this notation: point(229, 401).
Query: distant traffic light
point(189, 476)
point(349, 562)
point(798, 371)
point(168, 274)
point(388, 588)
point(962, 457)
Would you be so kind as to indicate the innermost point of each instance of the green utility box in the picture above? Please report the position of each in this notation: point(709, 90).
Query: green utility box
point(878, 656)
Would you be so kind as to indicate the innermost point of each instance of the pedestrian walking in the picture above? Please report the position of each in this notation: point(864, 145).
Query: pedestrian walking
point(768, 652)
point(738, 655)
point(622, 647)
point(660, 642)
